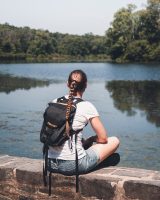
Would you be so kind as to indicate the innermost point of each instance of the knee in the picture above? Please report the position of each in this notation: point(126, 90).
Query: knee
point(115, 140)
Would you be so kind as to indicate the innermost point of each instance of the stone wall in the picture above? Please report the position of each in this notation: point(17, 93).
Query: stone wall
point(21, 179)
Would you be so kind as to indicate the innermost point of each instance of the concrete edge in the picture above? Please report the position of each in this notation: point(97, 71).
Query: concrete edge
point(21, 178)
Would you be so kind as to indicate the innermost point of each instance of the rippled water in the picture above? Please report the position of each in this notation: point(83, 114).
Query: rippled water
point(126, 96)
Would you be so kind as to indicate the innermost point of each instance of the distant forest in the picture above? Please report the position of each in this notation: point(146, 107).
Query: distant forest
point(133, 36)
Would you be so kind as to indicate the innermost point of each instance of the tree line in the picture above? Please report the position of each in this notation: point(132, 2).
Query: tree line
point(31, 43)
point(133, 36)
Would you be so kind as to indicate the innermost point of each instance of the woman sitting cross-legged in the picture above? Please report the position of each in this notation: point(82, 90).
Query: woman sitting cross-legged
point(62, 158)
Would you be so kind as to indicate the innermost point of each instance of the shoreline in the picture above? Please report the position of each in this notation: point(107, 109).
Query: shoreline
point(101, 58)
point(74, 61)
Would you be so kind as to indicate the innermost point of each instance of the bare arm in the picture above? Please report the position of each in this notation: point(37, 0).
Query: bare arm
point(99, 130)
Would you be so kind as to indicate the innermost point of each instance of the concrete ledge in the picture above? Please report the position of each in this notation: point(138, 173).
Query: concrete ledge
point(21, 179)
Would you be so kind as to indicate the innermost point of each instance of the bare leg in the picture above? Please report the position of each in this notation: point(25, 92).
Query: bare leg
point(105, 150)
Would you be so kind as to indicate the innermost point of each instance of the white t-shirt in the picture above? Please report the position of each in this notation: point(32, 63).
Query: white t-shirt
point(85, 111)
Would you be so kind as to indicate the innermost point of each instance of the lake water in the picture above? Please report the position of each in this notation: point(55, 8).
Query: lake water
point(126, 96)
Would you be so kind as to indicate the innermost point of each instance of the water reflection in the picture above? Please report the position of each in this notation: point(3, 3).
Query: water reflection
point(9, 83)
point(129, 96)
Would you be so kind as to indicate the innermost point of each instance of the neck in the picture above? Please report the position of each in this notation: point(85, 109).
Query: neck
point(78, 94)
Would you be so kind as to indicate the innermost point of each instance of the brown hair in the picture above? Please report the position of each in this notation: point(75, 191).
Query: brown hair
point(77, 81)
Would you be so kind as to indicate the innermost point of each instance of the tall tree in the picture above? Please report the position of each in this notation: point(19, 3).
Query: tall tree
point(121, 32)
point(135, 35)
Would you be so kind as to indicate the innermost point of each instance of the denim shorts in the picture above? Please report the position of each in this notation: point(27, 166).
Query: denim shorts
point(68, 167)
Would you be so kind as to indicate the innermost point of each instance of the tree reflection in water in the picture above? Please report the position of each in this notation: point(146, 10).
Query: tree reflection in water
point(131, 95)
point(9, 83)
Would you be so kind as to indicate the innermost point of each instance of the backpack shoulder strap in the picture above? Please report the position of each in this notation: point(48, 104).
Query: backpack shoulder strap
point(77, 100)
point(63, 99)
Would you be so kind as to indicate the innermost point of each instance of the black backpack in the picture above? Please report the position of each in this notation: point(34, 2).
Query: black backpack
point(53, 132)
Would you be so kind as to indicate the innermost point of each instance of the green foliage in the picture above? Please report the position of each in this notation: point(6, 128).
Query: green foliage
point(41, 45)
point(137, 50)
point(135, 35)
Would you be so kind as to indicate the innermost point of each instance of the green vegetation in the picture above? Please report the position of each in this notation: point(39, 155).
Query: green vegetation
point(39, 45)
point(134, 36)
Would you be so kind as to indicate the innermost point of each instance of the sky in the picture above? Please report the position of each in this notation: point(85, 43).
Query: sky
point(64, 16)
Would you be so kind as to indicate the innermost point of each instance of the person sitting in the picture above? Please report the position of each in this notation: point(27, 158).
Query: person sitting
point(95, 149)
